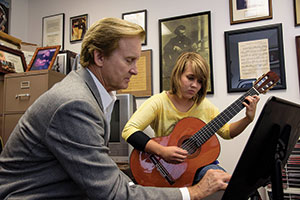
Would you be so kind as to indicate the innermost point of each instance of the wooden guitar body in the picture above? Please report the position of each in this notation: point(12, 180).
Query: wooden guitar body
point(146, 173)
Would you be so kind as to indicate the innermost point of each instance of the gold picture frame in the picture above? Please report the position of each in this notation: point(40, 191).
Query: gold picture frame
point(43, 58)
point(242, 11)
point(141, 84)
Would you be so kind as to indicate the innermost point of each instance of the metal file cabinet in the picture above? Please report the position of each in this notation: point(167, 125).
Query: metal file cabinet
point(20, 91)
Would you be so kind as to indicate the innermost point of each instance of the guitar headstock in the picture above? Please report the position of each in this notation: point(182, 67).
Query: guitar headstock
point(266, 82)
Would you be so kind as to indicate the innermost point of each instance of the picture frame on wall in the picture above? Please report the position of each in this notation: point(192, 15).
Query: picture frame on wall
point(298, 54)
point(11, 60)
point(141, 84)
point(138, 17)
point(297, 12)
point(53, 30)
point(5, 15)
point(43, 58)
point(78, 27)
point(250, 53)
point(242, 11)
point(182, 34)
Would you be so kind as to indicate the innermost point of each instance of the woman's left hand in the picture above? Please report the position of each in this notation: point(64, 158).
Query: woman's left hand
point(250, 104)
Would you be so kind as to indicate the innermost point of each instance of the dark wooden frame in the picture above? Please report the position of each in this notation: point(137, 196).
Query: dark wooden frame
point(196, 24)
point(84, 29)
point(9, 51)
point(129, 16)
point(144, 66)
point(236, 10)
point(273, 33)
point(61, 18)
point(54, 51)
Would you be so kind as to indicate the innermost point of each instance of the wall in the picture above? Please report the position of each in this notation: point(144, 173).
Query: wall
point(27, 24)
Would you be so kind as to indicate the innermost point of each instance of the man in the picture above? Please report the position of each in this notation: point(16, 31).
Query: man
point(58, 150)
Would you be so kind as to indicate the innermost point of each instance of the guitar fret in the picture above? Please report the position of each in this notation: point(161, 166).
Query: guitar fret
point(218, 122)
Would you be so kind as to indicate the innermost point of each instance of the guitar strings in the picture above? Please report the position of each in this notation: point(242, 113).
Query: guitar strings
point(213, 126)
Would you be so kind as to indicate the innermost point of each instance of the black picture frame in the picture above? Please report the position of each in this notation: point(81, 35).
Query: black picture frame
point(242, 11)
point(139, 17)
point(197, 38)
point(53, 30)
point(263, 50)
point(78, 27)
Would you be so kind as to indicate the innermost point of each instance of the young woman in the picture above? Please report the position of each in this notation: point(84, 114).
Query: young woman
point(186, 98)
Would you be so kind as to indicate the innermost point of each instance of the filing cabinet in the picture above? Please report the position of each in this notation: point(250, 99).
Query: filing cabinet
point(20, 91)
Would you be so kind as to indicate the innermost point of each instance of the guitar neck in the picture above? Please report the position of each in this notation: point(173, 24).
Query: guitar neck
point(214, 125)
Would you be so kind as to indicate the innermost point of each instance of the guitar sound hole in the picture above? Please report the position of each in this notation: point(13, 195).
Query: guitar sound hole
point(190, 146)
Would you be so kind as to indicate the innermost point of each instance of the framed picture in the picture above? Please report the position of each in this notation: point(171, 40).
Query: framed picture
point(252, 52)
point(298, 55)
point(249, 10)
point(54, 30)
point(11, 60)
point(182, 34)
point(4, 15)
point(78, 27)
point(139, 17)
point(297, 12)
point(43, 58)
point(141, 84)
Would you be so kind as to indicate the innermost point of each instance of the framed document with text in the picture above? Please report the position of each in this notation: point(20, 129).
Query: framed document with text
point(141, 84)
point(53, 30)
point(252, 52)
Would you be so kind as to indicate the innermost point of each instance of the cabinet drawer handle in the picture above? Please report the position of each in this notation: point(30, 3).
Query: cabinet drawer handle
point(22, 95)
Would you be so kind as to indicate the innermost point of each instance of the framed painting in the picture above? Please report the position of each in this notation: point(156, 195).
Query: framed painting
point(4, 15)
point(249, 10)
point(78, 27)
point(141, 84)
point(139, 17)
point(297, 12)
point(54, 30)
point(252, 52)
point(43, 58)
point(11, 60)
point(182, 34)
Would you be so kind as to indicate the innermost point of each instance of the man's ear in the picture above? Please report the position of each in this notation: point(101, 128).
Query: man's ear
point(98, 58)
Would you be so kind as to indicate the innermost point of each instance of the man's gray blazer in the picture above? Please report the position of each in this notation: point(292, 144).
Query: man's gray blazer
point(59, 150)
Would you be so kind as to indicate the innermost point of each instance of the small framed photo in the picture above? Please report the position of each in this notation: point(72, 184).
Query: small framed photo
point(54, 30)
point(43, 58)
point(11, 60)
point(182, 34)
point(297, 12)
point(78, 27)
point(249, 10)
point(139, 17)
point(250, 53)
point(141, 84)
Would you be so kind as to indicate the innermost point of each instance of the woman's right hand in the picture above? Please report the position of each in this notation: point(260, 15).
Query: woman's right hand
point(173, 154)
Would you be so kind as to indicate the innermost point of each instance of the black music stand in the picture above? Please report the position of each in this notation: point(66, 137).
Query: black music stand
point(269, 146)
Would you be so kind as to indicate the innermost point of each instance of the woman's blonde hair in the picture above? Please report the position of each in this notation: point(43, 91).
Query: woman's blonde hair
point(199, 67)
point(104, 36)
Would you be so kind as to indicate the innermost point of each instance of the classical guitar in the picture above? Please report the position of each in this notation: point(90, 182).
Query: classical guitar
point(197, 138)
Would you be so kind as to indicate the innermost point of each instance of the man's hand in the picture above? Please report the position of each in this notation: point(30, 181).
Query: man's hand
point(213, 181)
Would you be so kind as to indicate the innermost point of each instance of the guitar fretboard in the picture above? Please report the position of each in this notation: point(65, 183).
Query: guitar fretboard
point(214, 125)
